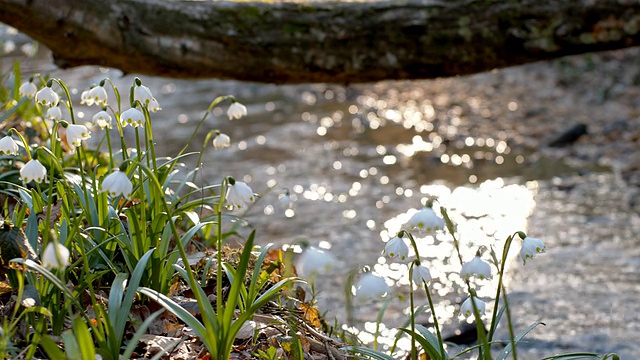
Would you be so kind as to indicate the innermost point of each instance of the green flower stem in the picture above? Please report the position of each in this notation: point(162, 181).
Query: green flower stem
point(24, 141)
point(80, 151)
point(201, 154)
point(112, 163)
point(435, 319)
point(148, 135)
point(123, 144)
point(153, 181)
point(118, 124)
point(140, 250)
point(69, 103)
point(138, 149)
point(115, 92)
point(85, 265)
point(213, 104)
point(512, 334)
point(503, 262)
point(48, 216)
point(429, 299)
point(223, 197)
point(485, 348)
point(414, 352)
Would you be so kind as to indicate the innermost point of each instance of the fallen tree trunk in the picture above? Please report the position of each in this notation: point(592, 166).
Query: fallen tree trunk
point(339, 42)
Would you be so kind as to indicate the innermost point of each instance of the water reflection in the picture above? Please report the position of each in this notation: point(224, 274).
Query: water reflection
point(485, 215)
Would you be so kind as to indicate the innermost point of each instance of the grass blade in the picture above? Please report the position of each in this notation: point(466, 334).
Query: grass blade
point(507, 349)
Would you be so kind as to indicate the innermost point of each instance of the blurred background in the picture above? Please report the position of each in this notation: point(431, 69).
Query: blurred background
point(548, 148)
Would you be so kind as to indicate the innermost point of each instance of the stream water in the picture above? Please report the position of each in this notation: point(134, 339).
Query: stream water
point(359, 160)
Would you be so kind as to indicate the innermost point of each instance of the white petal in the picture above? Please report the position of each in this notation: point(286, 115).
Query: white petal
point(76, 134)
point(55, 255)
point(133, 117)
point(466, 308)
point(28, 89)
point(46, 96)
point(531, 247)
point(33, 170)
point(371, 287)
point(54, 113)
point(102, 119)
point(117, 183)
point(240, 194)
point(477, 267)
point(396, 247)
point(426, 220)
point(99, 96)
point(221, 141)
point(236, 111)
point(8, 146)
point(421, 274)
point(314, 262)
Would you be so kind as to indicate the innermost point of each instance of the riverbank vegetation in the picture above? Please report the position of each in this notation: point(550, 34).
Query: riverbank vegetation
point(111, 252)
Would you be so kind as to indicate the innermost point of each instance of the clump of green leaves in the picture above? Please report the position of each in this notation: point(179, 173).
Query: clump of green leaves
point(108, 227)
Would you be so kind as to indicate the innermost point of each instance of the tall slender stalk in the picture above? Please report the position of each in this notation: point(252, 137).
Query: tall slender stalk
point(414, 244)
point(223, 195)
point(485, 346)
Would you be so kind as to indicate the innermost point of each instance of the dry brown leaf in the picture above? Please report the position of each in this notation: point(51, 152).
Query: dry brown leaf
point(5, 288)
point(311, 314)
point(170, 345)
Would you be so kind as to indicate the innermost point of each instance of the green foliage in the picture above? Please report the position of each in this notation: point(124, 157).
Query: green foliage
point(220, 326)
point(270, 354)
point(128, 241)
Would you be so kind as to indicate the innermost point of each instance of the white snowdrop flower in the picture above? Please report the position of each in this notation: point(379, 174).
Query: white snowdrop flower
point(285, 200)
point(466, 309)
point(85, 98)
point(33, 170)
point(144, 96)
point(396, 247)
point(8, 46)
point(8, 146)
point(28, 302)
point(426, 220)
point(133, 117)
point(46, 96)
point(76, 134)
point(153, 105)
point(221, 141)
point(29, 49)
point(371, 287)
point(28, 89)
point(313, 262)
point(55, 255)
point(421, 274)
point(239, 194)
point(98, 95)
point(236, 110)
point(54, 113)
point(117, 183)
point(102, 119)
point(477, 267)
point(531, 247)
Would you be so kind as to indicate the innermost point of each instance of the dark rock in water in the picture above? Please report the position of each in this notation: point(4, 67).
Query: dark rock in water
point(466, 334)
point(569, 136)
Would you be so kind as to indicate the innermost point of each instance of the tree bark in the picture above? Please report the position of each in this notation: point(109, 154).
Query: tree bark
point(338, 42)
